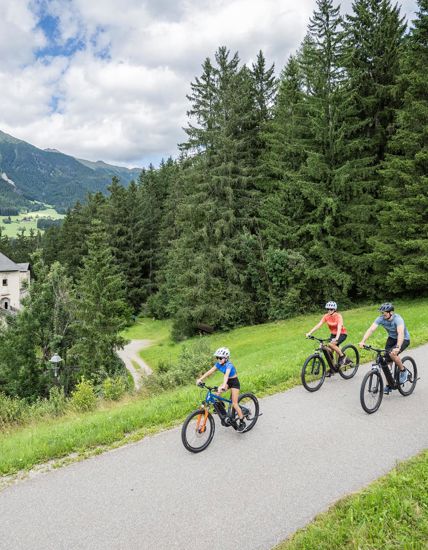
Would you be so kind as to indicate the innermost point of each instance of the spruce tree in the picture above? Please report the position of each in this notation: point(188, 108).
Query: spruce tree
point(101, 308)
point(401, 245)
point(374, 34)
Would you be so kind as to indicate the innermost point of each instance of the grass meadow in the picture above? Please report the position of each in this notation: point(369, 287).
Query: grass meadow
point(27, 221)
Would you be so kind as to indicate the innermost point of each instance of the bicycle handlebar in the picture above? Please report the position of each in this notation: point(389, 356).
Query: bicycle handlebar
point(203, 385)
point(322, 340)
point(370, 348)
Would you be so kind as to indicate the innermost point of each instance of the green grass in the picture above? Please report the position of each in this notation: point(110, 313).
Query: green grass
point(145, 328)
point(18, 222)
point(392, 513)
point(268, 357)
point(279, 349)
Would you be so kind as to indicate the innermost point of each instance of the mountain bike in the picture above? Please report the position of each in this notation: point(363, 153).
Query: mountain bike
point(314, 368)
point(371, 392)
point(199, 427)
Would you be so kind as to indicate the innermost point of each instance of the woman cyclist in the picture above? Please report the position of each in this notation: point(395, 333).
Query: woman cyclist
point(230, 381)
point(338, 333)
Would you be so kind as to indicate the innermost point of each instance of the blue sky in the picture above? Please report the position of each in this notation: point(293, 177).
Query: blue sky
point(108, 80)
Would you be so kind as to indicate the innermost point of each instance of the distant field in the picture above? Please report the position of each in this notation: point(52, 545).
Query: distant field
point(27, 221)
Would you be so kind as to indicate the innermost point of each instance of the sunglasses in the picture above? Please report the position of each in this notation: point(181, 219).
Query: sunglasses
point(220, 358)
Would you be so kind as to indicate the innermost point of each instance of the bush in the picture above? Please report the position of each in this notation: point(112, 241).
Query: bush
point(194, 359)
point(57, 401)
point(84, 397)
point(114, 388)
point(12, 410)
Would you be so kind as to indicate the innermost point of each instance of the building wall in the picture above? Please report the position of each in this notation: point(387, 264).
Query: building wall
point(10, 292)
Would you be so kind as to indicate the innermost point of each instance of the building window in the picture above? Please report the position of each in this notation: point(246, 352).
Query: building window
point(4, 282)
point(6, 305)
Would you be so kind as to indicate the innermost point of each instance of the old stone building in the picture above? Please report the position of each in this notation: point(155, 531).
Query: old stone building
point(14, 282)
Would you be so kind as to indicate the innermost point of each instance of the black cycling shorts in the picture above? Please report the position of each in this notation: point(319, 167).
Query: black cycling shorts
point(234, 383)
point(391, 343)
point(342, 338)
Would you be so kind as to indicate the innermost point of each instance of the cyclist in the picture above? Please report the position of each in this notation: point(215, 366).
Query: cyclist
point(230, 381)
point(338, 333)
point(398, 337)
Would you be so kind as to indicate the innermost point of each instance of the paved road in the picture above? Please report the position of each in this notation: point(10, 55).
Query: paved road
point(246, 491)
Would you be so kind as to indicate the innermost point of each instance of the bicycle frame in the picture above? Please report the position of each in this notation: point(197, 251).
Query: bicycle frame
point(215, 399)
point(381, 364)
point(328, 354)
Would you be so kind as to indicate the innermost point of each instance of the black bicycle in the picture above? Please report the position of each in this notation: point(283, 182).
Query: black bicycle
point(199, 427)
point(314, 368)
point(372, 386)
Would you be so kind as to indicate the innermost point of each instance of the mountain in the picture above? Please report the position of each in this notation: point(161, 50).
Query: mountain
point(28, 173)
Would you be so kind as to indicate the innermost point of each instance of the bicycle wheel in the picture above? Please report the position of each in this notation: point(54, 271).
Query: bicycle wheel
point(196, 433)
point(250, 409)
point(412, 374)
point(313, 372)
point(371, 393)
point(349, 370)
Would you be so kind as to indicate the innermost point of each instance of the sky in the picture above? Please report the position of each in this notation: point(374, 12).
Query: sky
point(107, 79)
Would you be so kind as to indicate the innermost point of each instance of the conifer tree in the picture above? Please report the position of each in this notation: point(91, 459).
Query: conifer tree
point(101, 308)
point(401, 246)
point(374, 35)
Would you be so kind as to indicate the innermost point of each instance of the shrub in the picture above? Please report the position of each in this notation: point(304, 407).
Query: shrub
point(114, 388)
point(83, 397)
point(57, 401)
point(193, 360)
point(12, 410)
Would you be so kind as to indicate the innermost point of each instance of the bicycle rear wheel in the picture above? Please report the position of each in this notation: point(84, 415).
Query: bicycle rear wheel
point(412, 376)
point(250, 409)
point(197, 433)
point(313, 372)
point(371, 393)
point(349, 369)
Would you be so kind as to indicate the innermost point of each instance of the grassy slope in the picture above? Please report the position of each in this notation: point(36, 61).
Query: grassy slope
point(392, 513)
point(11, 229)
point(268, 357)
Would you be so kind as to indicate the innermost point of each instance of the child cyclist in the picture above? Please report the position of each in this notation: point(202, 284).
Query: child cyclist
point(338, 333)
point(230, 381)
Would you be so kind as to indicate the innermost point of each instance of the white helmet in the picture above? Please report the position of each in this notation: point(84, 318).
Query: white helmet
point(222, 352)
point(331, 305)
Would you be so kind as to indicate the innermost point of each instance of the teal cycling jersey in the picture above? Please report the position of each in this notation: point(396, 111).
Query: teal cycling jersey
point(225, 367)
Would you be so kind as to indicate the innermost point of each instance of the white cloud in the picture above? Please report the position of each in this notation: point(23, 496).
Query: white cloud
point(128, 105)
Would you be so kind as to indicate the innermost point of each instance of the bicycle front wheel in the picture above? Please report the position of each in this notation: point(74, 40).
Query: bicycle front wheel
point(352, 362)
point(313, 373)
point(197, 431)
point(250, 409)
point(371, 393)
point(412, 376)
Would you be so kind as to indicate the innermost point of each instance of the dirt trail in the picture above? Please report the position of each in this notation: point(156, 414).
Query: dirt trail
point(129, 354)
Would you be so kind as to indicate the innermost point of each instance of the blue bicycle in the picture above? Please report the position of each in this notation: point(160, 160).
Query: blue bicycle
point(199, 427)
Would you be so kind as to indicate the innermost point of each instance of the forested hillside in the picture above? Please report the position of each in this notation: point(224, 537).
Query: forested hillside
point(288, 191)
point(31, 174)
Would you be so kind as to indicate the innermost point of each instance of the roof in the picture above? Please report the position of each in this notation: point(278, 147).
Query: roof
point(7, 265)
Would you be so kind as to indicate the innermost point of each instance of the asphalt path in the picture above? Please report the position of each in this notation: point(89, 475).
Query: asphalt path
point(245, 491)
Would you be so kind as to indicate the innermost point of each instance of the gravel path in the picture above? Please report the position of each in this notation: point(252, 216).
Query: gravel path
point(129, 354)
point(245, 491)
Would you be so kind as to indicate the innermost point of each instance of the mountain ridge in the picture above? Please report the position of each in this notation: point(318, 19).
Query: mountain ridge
point(50, 176)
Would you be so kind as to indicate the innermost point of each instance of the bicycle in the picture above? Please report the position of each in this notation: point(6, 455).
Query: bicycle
point(199, 427)
point(371, 392)
point(314, 368)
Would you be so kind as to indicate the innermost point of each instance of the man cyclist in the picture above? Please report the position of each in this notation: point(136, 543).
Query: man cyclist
point(337, 329)
point(398, 337)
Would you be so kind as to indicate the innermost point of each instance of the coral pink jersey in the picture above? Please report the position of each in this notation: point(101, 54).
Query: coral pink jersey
point(332, 321)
